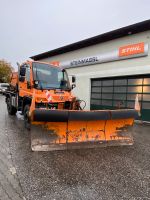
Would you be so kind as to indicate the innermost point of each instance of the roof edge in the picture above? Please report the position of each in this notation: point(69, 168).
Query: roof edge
point(104, 37)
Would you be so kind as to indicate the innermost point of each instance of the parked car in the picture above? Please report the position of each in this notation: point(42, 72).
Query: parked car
point(3, 87)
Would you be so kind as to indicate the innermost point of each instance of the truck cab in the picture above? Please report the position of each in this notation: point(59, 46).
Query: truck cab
point(44, 84)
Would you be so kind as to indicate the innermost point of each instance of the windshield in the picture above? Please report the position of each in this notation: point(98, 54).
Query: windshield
point(50, 77)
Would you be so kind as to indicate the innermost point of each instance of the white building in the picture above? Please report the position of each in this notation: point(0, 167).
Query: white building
point(110, 68)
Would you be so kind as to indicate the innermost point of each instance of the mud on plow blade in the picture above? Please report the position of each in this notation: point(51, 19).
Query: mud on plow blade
point(61, 129)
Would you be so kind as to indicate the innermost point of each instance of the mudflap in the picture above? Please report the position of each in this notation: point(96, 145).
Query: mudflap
point(76, 129)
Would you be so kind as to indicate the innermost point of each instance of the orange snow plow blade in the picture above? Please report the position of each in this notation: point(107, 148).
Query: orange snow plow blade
point(66, 129)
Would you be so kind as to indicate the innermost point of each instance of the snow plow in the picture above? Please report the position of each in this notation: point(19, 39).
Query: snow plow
point(55, 117)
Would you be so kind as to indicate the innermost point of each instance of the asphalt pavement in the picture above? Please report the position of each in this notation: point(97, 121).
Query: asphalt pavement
point(112, 173)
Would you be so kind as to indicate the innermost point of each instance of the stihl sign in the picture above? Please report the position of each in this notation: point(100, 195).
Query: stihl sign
point(121, 53)
point(131, 49)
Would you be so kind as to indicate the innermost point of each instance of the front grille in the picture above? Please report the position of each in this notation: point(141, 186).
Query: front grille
point(66, 105)
point(41, 105)
point(52, 105)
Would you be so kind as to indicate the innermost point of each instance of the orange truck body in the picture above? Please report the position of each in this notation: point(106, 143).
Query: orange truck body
point(55, 117)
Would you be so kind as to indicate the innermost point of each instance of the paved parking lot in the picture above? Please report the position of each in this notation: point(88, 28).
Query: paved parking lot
point(112, 173)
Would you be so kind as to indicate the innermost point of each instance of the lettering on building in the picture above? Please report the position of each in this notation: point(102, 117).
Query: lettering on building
point(84, 61)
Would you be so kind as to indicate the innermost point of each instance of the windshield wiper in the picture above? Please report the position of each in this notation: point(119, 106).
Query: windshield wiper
point(55, 88)
point(52, 88)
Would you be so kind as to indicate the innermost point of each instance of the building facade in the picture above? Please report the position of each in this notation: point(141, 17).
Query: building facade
point(110, 69)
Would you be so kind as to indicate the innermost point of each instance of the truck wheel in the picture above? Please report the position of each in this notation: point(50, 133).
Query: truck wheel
point(11, 109)
point(26, 117)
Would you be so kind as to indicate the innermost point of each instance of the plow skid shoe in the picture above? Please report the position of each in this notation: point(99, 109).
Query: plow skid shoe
point(58, 130)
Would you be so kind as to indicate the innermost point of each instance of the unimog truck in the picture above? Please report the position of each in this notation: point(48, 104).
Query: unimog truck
point(56, 118)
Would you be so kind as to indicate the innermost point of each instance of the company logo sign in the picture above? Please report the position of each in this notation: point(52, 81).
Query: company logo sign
point(123, 52)
point(131, 49)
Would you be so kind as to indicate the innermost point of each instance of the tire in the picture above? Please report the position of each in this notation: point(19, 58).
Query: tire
point(26, 117)
point(11, 109)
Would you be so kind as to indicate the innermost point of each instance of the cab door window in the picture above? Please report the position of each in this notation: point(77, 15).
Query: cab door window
point(28, 77)
point(28, 74)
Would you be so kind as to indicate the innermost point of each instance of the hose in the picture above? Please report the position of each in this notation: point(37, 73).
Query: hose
point(78, 104)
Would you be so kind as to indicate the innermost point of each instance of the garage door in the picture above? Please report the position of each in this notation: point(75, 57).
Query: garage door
point(120, 92)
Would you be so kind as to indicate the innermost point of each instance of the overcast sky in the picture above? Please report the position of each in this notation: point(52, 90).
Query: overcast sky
point(30, 27)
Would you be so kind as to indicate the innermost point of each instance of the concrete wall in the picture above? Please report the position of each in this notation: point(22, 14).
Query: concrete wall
point(84, 74)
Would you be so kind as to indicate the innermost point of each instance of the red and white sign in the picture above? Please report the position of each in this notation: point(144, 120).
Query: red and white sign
point(48, 96)
point(131, 49)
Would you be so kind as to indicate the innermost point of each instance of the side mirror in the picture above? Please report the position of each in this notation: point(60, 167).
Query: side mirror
point(73, 86)
point(73, 79)
point(22, 71)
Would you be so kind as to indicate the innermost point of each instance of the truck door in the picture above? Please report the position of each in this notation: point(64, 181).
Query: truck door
point(25, 81)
